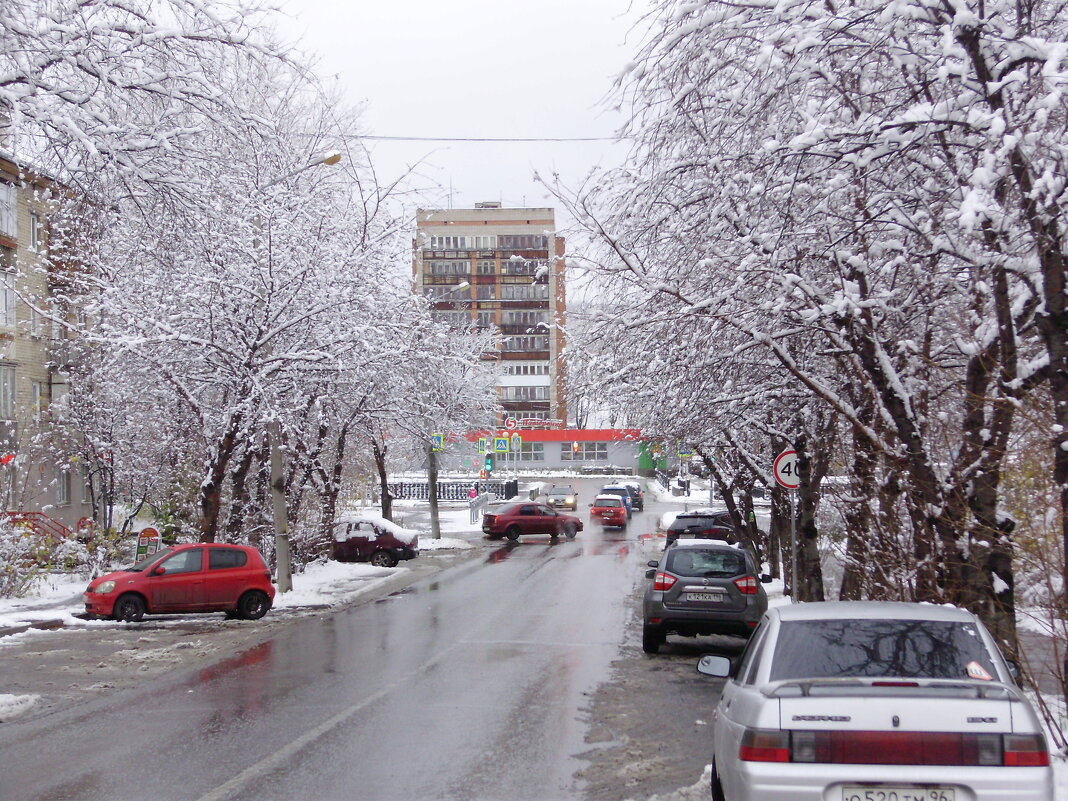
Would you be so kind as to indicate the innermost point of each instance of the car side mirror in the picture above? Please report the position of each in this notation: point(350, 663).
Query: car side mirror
point(653, 563)
point(590, 505)
point(765, 578)
point(650, 573)
point(159, 571)
point(714, 665)
point(1014, 669)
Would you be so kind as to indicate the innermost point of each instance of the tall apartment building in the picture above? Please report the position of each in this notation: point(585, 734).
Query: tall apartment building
point(502, 269)
point(31, 375)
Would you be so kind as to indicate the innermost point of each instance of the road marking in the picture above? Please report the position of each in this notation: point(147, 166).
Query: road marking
point(276, 760)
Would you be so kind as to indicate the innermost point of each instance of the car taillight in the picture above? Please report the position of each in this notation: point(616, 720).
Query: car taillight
point(1025, 750)
point(488, 519)
point(664, 581)
point(764, 745)
point(917, 748)
point(747, 585)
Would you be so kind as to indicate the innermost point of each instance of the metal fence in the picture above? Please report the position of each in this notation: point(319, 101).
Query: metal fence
point(453, 490)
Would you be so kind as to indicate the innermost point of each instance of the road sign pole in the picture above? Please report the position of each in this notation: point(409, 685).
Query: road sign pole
point(792, 495)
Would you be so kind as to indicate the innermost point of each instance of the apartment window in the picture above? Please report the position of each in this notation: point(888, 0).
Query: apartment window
point(525, 343)
point(35, 233)
point(7, 392)
point(7, 299)
point(36, 397)
point(87, 487)
point(487, 267)
point(36, 328)
point(484, 319)
point(525, 393)
point(525, 291)
point(523, 242)
point(63, 488)
point(584, 451)
point(486, 292)
point(9, 217)
point(531, 318)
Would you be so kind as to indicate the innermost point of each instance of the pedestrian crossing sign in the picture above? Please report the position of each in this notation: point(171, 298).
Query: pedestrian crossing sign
point(501, 444)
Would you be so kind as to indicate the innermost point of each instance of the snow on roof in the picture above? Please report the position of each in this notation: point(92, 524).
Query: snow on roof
point(895, 610)
point(686, 542)
point(614, 498)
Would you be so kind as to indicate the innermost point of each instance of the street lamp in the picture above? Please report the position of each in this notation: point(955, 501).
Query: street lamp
point(274, 429)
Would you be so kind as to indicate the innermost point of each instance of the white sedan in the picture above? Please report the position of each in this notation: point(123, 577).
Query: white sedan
point(874, 701)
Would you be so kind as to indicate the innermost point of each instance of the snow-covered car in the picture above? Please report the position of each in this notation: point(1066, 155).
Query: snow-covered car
point(874, 701)
point(366, 538)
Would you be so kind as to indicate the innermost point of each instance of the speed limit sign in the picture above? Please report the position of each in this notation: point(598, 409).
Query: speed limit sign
point(785, 469)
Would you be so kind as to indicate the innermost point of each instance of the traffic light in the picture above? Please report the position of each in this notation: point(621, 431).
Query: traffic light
point(574, 447)
point(489, 462)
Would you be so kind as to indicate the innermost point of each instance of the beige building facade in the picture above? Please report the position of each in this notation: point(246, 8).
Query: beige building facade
point(33, 480)
point(502, 269)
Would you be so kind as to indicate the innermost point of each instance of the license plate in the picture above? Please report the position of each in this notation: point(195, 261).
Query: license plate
point(706, 596)
point(887, 793)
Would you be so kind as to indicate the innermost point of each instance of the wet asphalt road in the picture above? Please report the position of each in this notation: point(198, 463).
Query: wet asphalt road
point(467, 685)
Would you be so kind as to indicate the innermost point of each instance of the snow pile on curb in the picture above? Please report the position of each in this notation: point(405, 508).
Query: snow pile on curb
point(11, 706)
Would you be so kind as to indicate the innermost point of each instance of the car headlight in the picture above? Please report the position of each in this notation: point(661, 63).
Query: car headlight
point(570, 500)
point(104, 587)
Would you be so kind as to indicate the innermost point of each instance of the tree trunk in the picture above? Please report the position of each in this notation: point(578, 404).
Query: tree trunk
point(239, 497)
point(858, 520)
point(810, 570)
point(383, 478)
point(210, 496)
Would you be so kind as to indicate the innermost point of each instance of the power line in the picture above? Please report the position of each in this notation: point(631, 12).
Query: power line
point(490, 138)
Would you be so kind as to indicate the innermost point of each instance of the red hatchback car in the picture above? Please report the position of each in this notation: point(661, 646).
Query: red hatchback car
point(609, 510)
point(204, 577)
point(516, 519)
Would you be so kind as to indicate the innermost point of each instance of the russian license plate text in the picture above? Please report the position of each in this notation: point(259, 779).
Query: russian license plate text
point(898, 794)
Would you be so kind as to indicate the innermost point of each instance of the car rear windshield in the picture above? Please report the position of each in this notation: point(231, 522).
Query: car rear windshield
point(711, 563)
point(932, 649)
point(508, 508)
point(608, 502)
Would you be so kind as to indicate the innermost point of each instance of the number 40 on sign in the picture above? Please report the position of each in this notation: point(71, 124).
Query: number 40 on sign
point(785, 469)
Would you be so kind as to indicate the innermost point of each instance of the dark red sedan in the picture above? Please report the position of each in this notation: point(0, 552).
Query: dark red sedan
point(514, 520)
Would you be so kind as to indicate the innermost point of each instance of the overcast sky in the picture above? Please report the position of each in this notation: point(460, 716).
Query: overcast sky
point(476, 68)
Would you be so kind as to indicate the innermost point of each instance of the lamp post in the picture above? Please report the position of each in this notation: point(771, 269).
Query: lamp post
point(274, 428)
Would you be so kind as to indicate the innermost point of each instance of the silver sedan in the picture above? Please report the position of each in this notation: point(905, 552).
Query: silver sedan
point(874, 701)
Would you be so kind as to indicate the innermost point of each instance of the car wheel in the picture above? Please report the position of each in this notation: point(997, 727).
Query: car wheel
point(570, 531)
point(383, 559)
point(652, 639)
point(513, 533)
point(717, 787)
point(129, 609)
point(253, 605)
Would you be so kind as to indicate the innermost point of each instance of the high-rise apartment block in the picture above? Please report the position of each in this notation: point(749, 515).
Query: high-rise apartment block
point(502, 269)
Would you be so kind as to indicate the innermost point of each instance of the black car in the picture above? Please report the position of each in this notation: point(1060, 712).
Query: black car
point(702, 525)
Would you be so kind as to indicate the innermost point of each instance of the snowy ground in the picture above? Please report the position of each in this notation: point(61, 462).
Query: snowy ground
point(58, 598)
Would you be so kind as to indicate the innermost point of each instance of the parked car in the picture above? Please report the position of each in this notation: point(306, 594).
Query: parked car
point(205, 577)
point(874, 700)
point(702, 587)
point(373, 539)
point(701, 525)
point(608, 510)
point(562, 497)
point(637, 494)
point(514, 520)
point(622, 491)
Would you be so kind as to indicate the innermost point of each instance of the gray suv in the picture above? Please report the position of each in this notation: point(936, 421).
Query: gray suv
point(702, 587)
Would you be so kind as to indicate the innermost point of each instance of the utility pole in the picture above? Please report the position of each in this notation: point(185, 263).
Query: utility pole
point(432, 489)
point(278, 504)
